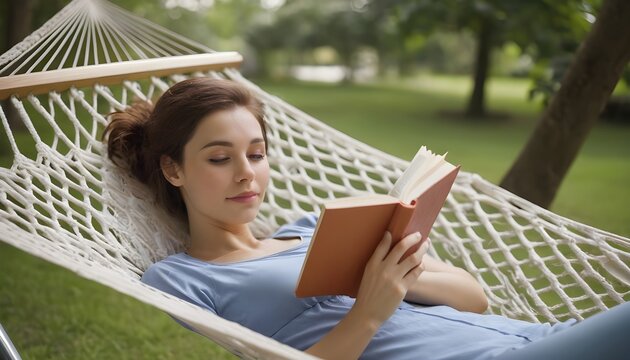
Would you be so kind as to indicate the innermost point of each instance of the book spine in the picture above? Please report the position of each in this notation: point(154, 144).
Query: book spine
point(400, 221)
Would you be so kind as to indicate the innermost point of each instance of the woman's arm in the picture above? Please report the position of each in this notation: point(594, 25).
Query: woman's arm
point(385, 282)
point(348, 339)
point(444, 284)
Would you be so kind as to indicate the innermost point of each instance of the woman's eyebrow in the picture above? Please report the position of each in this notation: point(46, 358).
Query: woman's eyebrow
point(227, 143)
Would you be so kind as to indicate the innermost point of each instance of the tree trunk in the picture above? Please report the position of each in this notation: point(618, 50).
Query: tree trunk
point(404, 59)
point(18, 20)
point(263, 63)
point(382, 61)
point(538, 171)
point(476, 104)
point(347, 58)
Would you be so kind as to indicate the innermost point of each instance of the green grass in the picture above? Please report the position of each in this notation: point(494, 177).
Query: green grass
point(51, 313)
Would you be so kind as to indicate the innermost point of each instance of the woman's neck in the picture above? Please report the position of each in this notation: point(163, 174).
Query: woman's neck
point(209, 240)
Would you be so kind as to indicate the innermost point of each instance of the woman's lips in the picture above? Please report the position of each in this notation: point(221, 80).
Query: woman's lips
point(244, 199)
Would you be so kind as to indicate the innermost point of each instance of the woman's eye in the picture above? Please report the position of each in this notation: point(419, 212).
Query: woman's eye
point(257, 156)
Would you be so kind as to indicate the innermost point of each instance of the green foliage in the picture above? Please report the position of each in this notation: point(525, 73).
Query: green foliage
point(219, 26)
point(555, 21)
point(335, 24)
point(548, 73)
point(447, 52)
point(547, 76)
point(552, 38)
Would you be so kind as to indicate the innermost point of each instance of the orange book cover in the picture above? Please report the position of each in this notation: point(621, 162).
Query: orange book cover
point(349, 229)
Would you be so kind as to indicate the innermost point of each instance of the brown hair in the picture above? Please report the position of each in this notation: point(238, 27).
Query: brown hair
point(138, 136)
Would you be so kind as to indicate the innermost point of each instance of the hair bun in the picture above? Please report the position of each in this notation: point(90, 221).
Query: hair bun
point(126, 137)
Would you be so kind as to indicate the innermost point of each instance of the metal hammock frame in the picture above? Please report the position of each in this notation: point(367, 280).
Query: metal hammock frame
point(63, 200)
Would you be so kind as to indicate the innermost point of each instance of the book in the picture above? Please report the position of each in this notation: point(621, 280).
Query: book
point(349, 229)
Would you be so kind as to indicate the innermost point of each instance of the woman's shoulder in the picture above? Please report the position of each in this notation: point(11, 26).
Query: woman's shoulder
point(303, 226)
point(179, 267)
point(184, 277)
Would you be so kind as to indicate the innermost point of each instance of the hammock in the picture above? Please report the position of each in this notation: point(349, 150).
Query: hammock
point(63, 200)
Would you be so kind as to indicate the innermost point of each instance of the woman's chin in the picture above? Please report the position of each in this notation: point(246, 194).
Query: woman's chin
point(245, 216)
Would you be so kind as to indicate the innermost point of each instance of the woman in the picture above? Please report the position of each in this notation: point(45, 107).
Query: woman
point(202, 150)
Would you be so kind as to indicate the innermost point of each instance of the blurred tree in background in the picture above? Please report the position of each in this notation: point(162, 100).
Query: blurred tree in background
point(538, 28)
point(462, 36)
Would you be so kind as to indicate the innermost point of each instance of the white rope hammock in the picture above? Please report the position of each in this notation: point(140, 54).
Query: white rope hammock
point(63, 201)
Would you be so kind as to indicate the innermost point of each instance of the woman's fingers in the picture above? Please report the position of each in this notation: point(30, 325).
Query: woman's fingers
point(410, 278)
point(402, 246)
point(386, 279)
point(415, 259)
point(382, 248)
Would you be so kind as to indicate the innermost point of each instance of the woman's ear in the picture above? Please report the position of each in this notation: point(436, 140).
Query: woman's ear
point(171, 171)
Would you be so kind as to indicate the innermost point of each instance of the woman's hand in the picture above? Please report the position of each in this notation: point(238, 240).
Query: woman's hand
point(386, 278)
point(383, 286)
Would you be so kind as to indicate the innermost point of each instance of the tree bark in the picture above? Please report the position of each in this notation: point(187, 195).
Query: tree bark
point(18, 20)
point(541, 166)
point(476, 104)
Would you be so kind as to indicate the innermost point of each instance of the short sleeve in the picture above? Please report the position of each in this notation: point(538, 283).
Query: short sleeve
point(184, 282)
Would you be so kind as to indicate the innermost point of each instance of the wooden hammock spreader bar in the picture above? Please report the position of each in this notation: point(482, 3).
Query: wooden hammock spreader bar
point(114, 73)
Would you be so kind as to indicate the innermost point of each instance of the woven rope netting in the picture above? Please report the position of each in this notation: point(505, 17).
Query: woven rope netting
point(62, 200)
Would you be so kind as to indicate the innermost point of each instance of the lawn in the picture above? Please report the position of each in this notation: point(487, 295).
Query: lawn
point(52, 314)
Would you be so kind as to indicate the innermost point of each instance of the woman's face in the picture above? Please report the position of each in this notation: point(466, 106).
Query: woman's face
point(225, 170)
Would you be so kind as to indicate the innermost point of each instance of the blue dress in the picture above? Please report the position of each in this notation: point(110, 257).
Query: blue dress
point(259, 294)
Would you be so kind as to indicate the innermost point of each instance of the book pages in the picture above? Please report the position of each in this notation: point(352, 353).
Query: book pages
point(423, 164)
point(443, 169)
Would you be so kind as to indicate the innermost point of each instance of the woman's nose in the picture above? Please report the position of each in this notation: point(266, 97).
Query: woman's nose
point(244, 171)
